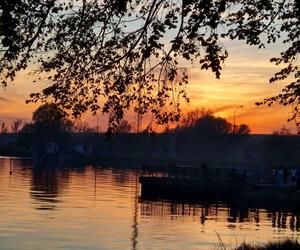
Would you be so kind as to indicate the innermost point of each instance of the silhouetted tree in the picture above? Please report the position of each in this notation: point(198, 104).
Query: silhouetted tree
point(191, 117)
point(103, 49)
point(283, 131)
point(149, 130)
point(50, 117)
point(83, 127)
point(25, 137)
point(210, 124)
point(4, 129)
point(27, 128)
point(206, 123)
point(123, 127)
point(16, 125)
point(243, 129)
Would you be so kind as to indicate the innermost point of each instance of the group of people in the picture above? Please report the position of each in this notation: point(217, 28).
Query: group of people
point(283, 176)
point(280, 176)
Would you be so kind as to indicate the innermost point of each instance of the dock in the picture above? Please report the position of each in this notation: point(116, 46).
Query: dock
point(188, 183)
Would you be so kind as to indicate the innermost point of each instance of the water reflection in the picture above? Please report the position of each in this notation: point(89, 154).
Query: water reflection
point(46, 184)
point(134, 235)
point(94, 207)
point(221, 213)
point(283, 220)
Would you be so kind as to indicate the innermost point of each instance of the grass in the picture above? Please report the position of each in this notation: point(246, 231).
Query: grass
point(287, 244)
point(281, 245)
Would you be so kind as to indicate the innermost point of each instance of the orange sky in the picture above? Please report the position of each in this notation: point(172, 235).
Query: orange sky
point(244, 81)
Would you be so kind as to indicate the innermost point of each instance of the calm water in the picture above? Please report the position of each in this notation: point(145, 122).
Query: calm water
point(99, 208)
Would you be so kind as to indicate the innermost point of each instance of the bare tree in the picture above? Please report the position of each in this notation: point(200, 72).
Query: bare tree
point(16, 125)
point(191, 117)
point(124, 127)
point(283, 131)
point(83, 127)
point(4, 128)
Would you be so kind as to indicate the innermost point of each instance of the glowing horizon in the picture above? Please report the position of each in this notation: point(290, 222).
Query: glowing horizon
point(244, 81)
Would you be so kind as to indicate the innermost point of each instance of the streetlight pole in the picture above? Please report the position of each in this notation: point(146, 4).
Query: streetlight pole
point(234, 127)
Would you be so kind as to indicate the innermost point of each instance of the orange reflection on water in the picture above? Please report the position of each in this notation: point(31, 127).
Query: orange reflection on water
point(100, 208)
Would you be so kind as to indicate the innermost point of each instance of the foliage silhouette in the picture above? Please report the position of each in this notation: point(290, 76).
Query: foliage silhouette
point(123, 127)
point(243, 129)
point(128, 53)
point(16, 125)
point(50, 117)
point(203, 121)
point(191, 117)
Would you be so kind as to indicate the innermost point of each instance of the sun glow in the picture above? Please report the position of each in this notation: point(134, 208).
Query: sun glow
point(244, 81)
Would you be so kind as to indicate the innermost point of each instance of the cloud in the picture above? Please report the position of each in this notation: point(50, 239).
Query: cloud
point(224, 108)
point(244, 80)
point(5, 100)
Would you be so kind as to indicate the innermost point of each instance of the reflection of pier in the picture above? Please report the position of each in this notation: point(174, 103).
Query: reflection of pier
point(219, 213)
point(204, 212)
point(180, 191)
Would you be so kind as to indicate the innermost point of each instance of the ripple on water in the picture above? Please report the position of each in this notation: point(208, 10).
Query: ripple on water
point(100, 208)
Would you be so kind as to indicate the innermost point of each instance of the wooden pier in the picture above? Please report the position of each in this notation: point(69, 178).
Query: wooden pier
point(187, 183)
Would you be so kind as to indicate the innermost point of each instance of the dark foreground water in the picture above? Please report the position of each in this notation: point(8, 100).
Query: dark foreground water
point(99, 208)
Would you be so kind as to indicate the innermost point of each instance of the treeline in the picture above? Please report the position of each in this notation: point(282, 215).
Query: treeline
point(15, 126)
point(184, 147)
point(203, 121)
point(51, 118)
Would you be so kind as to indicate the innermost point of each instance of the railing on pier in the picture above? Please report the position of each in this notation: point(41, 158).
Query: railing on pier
point(173, 171)
point(198, 174)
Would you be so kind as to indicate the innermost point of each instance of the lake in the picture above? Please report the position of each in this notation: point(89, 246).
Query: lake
point(100, 208)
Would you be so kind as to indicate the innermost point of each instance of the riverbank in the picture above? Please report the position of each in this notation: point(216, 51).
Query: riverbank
point(266, 151)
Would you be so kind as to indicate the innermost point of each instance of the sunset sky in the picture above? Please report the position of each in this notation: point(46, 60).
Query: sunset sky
point(244, 81)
